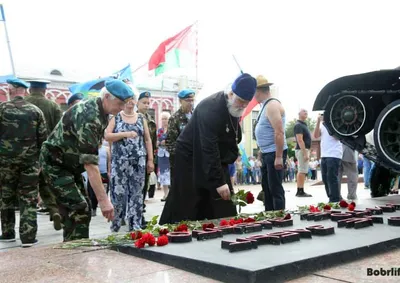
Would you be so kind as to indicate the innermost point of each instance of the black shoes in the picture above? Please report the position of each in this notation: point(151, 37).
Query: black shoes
point(300, 193)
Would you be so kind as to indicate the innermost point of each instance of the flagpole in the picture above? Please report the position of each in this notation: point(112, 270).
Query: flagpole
point(162, 97)
point(197, 55)
point(9, 47)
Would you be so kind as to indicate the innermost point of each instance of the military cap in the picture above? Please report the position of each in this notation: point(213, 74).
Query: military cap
point(38, 83)
point(17, 83)
point(245, 87)
point(119, 89)
point(74, 97)
point(145, 94)
point(185, 93)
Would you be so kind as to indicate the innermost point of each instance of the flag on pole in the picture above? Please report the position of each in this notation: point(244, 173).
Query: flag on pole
point(175, 52)
point(125, 74)
point(3, 79)
point(242, 153)
point(2, 16)
point(92, 88)
point(253, 103)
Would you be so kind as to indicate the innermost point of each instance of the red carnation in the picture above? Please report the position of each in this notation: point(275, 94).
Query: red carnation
point(151, 241)
point(249, 198)
point(232, 222)
point(239, 221)
point(163, 232)
point(343, 204)
point(224, 223)
point(287, 216)
point(136, 235)
point(314, 209)
point(350, 207)
point(146, 237)
point(140, 243)
point(162, 241)
point(327, 207)
point(182, 228)
point(353, 204)
point(249, 220)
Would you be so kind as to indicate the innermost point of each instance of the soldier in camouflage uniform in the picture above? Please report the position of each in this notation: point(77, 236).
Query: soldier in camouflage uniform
point(52, 114)
point(177, 123)
point(143, 106)
point(72, 148)
point(22, 132)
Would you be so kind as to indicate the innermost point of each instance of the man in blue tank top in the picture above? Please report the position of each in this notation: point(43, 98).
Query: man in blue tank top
point(271, 139)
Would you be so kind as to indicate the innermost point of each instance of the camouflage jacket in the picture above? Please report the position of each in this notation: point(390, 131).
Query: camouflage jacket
point(76, 139)
point(51, 110)
point(22, 130)
point(176, 124)
point(152, 129)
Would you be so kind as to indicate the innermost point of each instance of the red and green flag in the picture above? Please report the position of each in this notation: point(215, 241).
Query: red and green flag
point(178, 51)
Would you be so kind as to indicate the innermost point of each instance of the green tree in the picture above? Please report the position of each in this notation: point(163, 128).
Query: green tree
point(291, 149)
point(289, 131)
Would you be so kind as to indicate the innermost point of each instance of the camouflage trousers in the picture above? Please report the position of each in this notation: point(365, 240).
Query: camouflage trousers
point(19, 181)
point(71, 198)
point(47, 196)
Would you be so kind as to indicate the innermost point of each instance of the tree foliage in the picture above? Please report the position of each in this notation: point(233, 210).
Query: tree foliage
point(289, 131)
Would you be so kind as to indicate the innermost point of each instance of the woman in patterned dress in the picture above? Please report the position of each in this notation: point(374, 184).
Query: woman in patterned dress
point(163, 155)
point(129, 134)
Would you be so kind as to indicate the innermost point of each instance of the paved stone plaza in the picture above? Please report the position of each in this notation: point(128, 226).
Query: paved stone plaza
point(43, 263)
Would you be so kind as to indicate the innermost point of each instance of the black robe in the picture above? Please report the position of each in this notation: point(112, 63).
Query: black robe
point(203, 151)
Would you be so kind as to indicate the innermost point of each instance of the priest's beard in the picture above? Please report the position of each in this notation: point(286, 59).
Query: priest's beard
point(234, 110)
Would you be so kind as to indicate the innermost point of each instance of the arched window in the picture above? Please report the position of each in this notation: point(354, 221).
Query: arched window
point(56, 72)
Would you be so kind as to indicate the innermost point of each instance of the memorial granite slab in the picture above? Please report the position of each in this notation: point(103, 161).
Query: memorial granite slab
point(283, 252)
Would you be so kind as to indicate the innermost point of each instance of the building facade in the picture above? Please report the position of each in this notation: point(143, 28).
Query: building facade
point(163, 95)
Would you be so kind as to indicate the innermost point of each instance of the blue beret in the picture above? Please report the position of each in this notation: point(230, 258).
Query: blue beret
point(245, 87)
point(119, 89)
point(144, 95)
point(38, 83)
point(74, 97)
point(18, 83)
point(184, 93)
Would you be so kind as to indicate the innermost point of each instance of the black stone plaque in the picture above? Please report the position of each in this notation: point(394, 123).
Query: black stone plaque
point(207, 235)
point(253, 242)
point(179, 237)
point(376, 219)
point(265, 224)
point(252, 228)
point(289, 237)
point(282, 222)
point(394, 221)
point(386, 208)
point(321, 216)
point(340, 216)
point(304, 233)
point(362, 223)
point(321, 230)
point(375, 211)
point(226, 229)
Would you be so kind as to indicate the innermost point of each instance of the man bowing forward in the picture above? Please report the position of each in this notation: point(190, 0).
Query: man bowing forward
point(201, 186)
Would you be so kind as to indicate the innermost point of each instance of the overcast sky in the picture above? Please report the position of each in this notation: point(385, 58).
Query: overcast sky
point(298, 45)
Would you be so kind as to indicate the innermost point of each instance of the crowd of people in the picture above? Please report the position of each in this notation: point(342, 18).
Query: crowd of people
point(113, 145)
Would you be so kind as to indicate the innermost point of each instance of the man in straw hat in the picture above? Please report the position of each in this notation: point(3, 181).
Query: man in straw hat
point(271, 139)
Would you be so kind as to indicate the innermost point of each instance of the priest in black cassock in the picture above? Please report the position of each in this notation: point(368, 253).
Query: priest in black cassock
point(202, 187)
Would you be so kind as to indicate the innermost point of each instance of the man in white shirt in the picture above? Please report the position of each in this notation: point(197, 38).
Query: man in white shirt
point(331, 159)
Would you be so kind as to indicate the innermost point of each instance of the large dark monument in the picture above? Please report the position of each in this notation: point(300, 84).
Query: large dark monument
point(358, 104)
point(274, 251)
